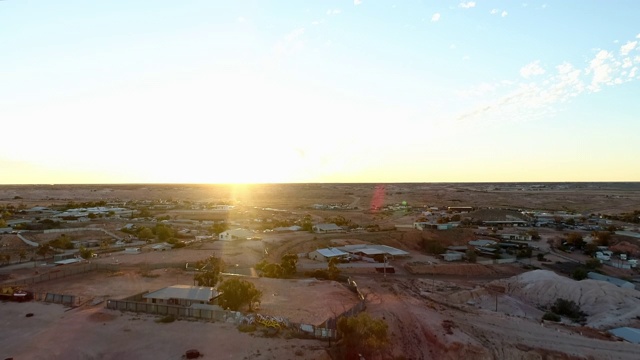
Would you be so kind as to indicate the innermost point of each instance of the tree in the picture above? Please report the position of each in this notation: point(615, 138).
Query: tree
point(332, 270)
point(85, 253)
point(163, 232)
point(602, 237)
point(471, 255)
point(362, 334)
point(43, 250)
point(3, 223)
point(217, 228)
point(209, 271)
point(22, 255)
point(289, 264)
point(145, 233)
point(5, 258)
point(273, 271)
point(235, 293)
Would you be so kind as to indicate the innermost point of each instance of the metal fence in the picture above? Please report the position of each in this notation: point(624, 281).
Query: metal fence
point(62, 272)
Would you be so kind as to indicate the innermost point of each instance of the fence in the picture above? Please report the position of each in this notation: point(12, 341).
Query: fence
point(63, 272)
point(68, 300)
point(235, 317)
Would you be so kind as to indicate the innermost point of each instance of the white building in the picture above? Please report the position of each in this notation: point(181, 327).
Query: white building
point(236, 234)
point(327, 228)
point(326, 254)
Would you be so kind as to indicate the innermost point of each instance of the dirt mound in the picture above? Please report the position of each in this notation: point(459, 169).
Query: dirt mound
point(494, 215)
point(605, 304)
point(626, 247)
point(450, 237)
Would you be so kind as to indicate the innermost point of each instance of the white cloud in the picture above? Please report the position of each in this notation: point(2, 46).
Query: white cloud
point(601, 70)
point(334, 12)
point(628, 47)
point(241, 19)
point(638, 36)
point(633, 71)
point(467, 5)
point(504, 13)
point(357, 2)
point(435, 17)
point(627, 63)
point(493, 11)
point(531, 69)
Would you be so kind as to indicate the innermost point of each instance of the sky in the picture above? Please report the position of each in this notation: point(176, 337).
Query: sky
point(262, 91)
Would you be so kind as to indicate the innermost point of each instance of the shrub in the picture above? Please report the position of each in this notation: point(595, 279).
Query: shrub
point(166, 319)
point(579, 273)
point(550, 316)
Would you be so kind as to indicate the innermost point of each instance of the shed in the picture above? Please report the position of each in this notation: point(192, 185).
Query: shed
point(452, 256)
point(326, 254)
point(327, 228)
point(236, 234)
point(184, 295)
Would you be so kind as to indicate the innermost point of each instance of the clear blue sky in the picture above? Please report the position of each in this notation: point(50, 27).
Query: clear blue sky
point(317, 91)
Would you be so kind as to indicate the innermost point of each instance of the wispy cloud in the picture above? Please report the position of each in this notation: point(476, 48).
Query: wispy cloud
point(626, 48)
point(357, 2)
point(334, 12)
point(531, 69)
point(493, 11)
point(290, 43)
point(538, 92)
point(504, 14)
point(467, 5)
point(435, 17)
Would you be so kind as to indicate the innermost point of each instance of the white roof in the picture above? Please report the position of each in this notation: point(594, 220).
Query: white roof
point(374, 249)
point(184, 292)
point(331, 252)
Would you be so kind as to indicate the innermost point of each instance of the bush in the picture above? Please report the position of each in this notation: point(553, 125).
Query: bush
point(550, 316)
point(579, 273)
point(166, 319)
point(569, 309)
point(247, 328)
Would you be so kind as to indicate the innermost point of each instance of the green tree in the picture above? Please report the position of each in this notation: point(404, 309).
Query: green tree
point(44, 250)
point(145, 233)
point(289, 264)
point(307, 223)
point(273, 271)
point(236, 293)
point(217, 228)
point(85, 253)
point(5, 258)
point(209, 271)
point(163, 232)
point(3, 223)
point(332, 270)
point(22, 255)
point(363, 335)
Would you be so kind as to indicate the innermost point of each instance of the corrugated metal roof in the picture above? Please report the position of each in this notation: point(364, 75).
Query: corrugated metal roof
point(331, 252)
point(184, 292)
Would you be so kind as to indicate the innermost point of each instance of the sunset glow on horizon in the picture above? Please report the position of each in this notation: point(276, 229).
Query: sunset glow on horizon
point(337, 91)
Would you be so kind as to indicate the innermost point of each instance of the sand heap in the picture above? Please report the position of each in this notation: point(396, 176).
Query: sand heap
point(605, 304)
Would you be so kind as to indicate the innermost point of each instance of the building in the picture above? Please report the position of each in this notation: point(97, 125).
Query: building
point(369, 250)
point(452, 256)
point(161, 247)
point(183, 295)
point(326, 228)
point(435, 226)
point(517, 237)
point(236, 234)
point(327, 253)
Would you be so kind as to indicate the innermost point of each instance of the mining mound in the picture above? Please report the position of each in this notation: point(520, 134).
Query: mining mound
point(605, 304)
